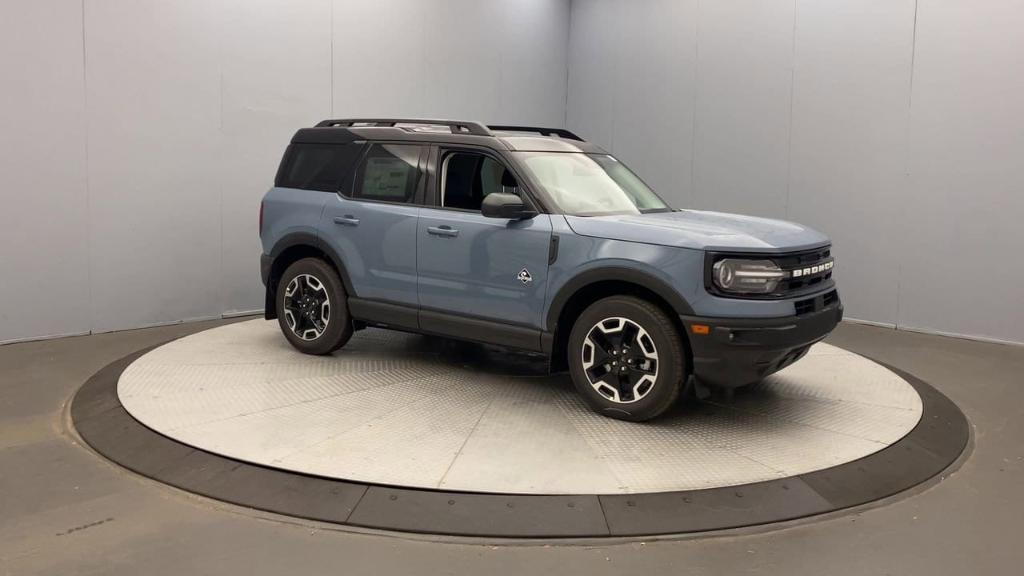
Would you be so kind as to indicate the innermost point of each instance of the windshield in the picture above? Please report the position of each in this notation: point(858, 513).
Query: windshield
point(591, 184)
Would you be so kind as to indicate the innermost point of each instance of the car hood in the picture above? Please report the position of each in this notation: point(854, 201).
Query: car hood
point(701, 230)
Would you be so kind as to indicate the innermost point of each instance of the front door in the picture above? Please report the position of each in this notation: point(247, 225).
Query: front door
point(473, 270)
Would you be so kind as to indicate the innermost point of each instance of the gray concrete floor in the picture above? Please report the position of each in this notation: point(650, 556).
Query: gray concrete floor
point(64, 510)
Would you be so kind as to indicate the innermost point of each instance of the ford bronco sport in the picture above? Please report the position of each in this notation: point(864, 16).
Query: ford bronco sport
point(534, 239)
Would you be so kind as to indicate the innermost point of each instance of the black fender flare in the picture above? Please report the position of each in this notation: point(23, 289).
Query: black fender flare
point(619, 274)
point(303, 239)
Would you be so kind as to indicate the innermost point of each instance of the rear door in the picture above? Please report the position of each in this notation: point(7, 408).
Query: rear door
point(371, 224)
point(480, 278)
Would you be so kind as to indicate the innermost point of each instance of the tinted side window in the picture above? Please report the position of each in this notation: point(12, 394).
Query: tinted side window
point(317, 166)
point(467, 177)
point(389, 173)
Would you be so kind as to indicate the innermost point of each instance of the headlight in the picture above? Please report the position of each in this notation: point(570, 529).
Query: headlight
point(747, 276)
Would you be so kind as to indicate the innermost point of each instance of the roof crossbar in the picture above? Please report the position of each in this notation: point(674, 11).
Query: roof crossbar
point(560, 132)
point(456, 126)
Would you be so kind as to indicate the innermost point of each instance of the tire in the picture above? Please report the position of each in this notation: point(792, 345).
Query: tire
point(316, 284)
point(651, 376)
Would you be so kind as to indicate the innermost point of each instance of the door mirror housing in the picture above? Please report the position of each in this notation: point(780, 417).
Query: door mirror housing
point(510, 206)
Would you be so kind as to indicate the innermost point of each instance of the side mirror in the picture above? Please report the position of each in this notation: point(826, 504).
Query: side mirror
point(510, 206)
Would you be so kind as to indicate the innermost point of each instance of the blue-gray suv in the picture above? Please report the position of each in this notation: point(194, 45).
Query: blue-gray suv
point(534, 239)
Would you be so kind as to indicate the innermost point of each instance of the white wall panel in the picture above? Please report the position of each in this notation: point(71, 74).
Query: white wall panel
point(851, 98)
point(656, 59)
point(498, 62)
point(44, 243)
point(153, 82)
point(461, 58)
point(907, 153)
point(593, 45)
point(276, 78)
point(962, 229)
point(744, 82)
point(177, 120)
point(905, 145)
point(631, 86)
point(378, 58)
point(533, 61)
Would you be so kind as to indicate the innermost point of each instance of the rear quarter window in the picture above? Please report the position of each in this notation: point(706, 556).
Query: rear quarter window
point(389, 173)
point(317, 166)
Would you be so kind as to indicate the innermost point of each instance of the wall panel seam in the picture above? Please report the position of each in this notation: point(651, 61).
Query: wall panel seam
point(568, 47)
point(88, 193)
point(901, 205)
point(696, 97)
point(789, 123)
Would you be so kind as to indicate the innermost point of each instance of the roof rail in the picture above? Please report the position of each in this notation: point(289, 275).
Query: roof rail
point(456, 126)
point(560, 132)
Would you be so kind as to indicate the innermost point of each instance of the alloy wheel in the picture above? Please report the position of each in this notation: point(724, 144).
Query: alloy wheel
point(307, 308)
point(620, 360)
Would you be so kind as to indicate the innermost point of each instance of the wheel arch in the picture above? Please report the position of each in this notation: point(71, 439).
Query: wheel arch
point(589, 287)
point(291, 249)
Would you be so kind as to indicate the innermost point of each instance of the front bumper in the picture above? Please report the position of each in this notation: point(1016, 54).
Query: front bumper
point(739, 351)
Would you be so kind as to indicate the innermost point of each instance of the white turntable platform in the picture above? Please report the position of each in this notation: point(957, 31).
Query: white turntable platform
point(406, 410)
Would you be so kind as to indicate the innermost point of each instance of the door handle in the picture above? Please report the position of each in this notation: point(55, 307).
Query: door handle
point(346, 220)
point(444, 230)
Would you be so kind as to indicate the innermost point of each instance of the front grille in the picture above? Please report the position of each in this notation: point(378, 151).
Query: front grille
point(788, 287)
point(801, 260)
point(818, 303)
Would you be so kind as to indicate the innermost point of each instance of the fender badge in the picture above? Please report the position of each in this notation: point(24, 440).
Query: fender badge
point(524, 276)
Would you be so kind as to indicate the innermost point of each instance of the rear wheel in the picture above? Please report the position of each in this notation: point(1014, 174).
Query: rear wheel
point(312, 307)
point(626, 358)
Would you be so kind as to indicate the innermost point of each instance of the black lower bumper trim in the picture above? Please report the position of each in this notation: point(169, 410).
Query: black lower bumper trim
point(739, 351)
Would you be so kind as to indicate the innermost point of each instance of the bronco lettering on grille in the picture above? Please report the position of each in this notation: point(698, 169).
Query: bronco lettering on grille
point(812, 270)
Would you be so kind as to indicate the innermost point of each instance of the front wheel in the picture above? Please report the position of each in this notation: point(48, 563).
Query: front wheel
point(312, 307)
point(626, 358)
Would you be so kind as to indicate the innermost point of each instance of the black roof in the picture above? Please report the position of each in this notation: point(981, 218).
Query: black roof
point(507, 137)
